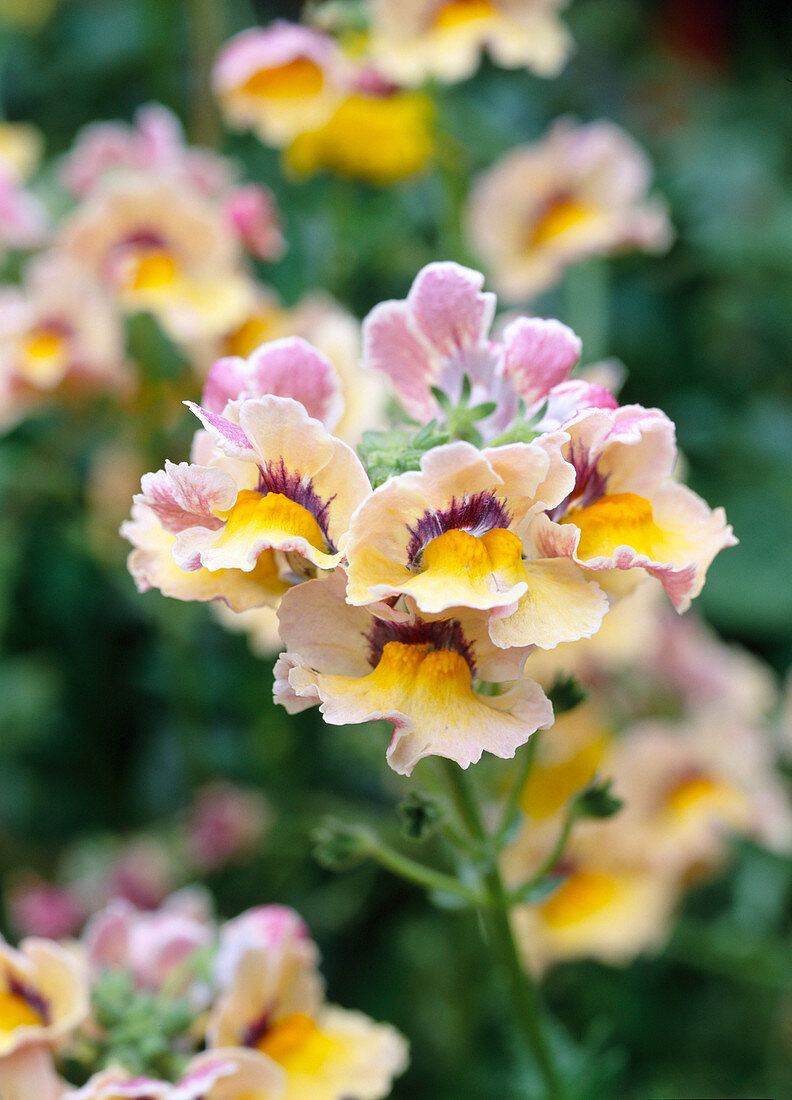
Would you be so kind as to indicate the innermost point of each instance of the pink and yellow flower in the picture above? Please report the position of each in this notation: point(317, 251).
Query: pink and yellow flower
point(420, 673)
point(688, 788)
point(280, 483)
point(379, 137)
point(279, 81)
point(581, 191)
point(43, 996)
point(625, 514)
point(268, 936)
point(164, 248)
point(318, 319)
point(612, 903)
point(274, 1005)
point(413, 40)
point(61, 332)
point(456, 534)
point(440, 333)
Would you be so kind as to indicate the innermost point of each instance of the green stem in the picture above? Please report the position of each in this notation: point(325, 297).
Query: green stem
point(549, 862)
point(422, 875)
point(206, 36)
point(523, 770)
point(525, 996)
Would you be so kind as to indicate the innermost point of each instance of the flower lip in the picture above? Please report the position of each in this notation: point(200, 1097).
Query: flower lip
point(32, 998)
point(475, 514)
point(255, 1031)
point(437, 636)
point(590, 483)
point(275, 478)
point(143, 238)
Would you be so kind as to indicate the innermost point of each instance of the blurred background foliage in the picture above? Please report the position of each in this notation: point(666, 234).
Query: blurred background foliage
point(114, 707)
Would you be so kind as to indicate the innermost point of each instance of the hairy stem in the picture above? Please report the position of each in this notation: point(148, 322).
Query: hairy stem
point(525, 996)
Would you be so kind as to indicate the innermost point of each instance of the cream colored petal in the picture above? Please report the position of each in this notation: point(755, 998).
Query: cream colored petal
point(559, 606)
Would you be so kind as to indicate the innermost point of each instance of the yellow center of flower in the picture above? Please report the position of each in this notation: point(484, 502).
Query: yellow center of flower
point(297, 1044)
point(582, 895)
point(297, 78)
point(376, 138)
point(550, 785)
point(559, 218)
point(460, 12)
point(16, 1012)
point(465, 555)
point(253, 332)
point(152, 271)
point(404, 667)
point(43, 357)
point(703, 796)
point(273, 515)
point(622, 519)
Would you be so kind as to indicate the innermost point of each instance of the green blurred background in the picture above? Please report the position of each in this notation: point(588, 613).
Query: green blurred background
point(114, 707)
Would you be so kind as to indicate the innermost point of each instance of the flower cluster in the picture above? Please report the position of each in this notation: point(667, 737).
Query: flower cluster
point(127, 1006)
point(524, 507)
point(679, 722)
point(150, 225)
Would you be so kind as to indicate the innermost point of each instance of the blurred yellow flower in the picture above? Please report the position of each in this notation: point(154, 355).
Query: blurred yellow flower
point(375, 138)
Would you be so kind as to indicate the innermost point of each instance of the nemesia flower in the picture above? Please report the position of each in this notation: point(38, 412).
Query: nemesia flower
point(289, 486)
point(334, 332)
point(289, 367)
point(152, 565)
point(278, 81)
point(625, 513)
point(161, 247)
point(379, 137)
point(213, 1075)
point(612, 902)
point(60, 332)
point(412, 40)
point(39, 908)
point(154, 144)
point(420, 674)
point(456, 534)
point(440, 333)
point(150, 945)
point(274, 1005)
point(688, 787)
point(252, 214)
point(43, 996)
point(578, 192)
point(275, 932)
point(224, 823)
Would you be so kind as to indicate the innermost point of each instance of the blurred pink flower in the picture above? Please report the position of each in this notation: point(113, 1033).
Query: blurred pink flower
point(224, 823)
point(40, 908)
point(253, 215)
point(154, 142)
point(150, 945)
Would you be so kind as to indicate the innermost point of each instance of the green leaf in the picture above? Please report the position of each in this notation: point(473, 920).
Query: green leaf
point(597, 801)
